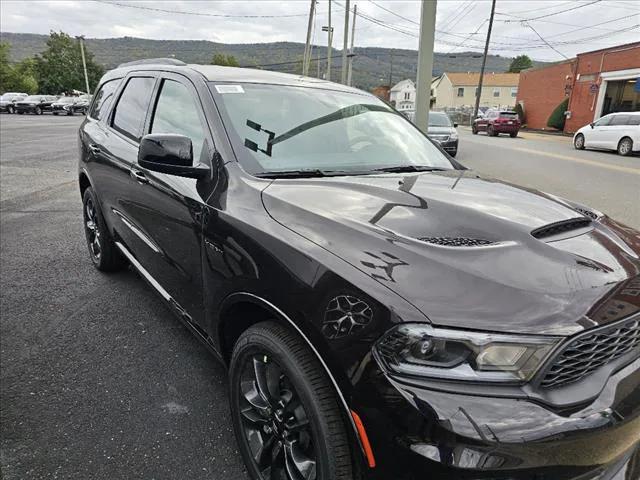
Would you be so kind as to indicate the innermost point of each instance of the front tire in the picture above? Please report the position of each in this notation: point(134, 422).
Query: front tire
point(38, 111)
point(285, 412)
point(102, 249)
point(625, 146)
point(10, 109)
point(474, 129)
point(578, 143)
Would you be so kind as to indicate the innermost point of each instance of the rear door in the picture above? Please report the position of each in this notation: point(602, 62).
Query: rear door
point(168, 209)
point(617, 129)
point(117, 150)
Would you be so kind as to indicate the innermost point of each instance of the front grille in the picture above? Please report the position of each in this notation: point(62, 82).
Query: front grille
point(587, 353)
point(561, 227)
point(457, 241)
point(440, 138)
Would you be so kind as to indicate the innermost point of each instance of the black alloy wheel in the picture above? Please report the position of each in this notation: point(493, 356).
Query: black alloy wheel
point(102, 249)
point(284, 410)
point(578, 143)
point(10, 109)
point(38, 111)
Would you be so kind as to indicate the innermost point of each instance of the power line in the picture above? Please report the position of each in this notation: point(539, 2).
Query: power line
point(394, 13)
point(200, 14)
point(554, 13)
point(547, 43)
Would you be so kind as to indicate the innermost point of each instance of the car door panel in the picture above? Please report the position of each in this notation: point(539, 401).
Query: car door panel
point(168, 210)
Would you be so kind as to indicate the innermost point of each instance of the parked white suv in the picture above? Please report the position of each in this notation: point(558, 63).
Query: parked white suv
point(616, 131)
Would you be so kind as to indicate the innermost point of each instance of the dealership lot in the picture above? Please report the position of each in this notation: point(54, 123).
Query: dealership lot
point(98, 378)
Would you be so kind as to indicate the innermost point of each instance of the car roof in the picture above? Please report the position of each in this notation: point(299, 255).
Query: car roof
point(216, 73)
point(623, 113)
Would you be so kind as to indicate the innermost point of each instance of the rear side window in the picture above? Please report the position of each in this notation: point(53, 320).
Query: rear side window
point(620, 120)
point(177, 112)
point(634, 120)
point(103, 99)
point(131, 109)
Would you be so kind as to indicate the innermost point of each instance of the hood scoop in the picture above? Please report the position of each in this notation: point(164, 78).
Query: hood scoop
point(457, 241)
point(559, 228)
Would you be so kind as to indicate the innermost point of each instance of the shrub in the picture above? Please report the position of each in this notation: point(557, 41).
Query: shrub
point(520, 111)
point(557, 117)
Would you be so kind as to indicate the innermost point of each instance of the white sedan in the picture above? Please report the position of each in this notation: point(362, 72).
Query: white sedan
point(616, 131)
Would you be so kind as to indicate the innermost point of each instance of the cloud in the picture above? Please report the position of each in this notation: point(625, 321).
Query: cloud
point(461, 24)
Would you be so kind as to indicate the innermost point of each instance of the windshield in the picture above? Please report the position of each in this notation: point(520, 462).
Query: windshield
point(66, 100)
point(8, 96)
point(277, 128)
point(33, 98)
point(437, 119)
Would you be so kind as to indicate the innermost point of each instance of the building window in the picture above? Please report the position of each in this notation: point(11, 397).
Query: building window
point(461, 92)
point(407, 95)
point(514, 92)
point(496, 92)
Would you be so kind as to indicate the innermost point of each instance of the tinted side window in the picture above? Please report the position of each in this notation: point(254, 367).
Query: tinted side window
point(634, 120)
point(103, 99)
point(131, 109)
point(177, 112)
point(603, 122)
point(619, 120)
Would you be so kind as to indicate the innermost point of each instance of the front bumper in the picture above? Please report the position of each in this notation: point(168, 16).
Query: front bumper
point(450, 146)
point(418, 432)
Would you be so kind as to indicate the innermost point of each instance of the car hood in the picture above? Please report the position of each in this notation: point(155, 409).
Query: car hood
point(440, 130)
point(459, 248)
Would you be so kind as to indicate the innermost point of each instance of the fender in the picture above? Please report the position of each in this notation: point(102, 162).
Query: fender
point(246, 296)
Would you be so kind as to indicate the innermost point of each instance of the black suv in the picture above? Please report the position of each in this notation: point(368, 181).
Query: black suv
point(383, 311)
point(37, 104)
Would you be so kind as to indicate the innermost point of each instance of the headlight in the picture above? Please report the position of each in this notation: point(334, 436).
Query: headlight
point(453, 136)
point(424, 351)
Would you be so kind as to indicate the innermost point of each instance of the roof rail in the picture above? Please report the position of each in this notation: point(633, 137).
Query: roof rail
point(153, 61)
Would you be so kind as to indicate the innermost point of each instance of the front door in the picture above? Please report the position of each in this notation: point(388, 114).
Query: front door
point(169, 209)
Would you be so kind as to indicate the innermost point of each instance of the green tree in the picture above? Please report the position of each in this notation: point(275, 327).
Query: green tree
point(224, 60)
point(59, 69)
point(20, 77)
point(557, 117)
point(520, 111)
point(521, 62)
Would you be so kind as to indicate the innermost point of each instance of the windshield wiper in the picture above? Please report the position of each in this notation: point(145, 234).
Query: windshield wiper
point(410, 168)
point(315, 172)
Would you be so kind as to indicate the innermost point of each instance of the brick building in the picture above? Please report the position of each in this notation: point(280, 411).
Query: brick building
point(605, 82)
point(597, 83)
point(542, 89)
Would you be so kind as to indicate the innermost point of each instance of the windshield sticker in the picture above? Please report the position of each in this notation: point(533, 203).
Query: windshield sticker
point(229, 89)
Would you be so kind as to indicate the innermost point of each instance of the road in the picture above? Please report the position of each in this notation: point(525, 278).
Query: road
point(603, 180)
point(97, 378)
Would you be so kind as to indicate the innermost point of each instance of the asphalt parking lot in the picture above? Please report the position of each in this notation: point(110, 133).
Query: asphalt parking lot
point(98, 379)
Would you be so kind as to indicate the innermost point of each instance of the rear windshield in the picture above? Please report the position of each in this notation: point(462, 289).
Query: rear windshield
point(508, 114)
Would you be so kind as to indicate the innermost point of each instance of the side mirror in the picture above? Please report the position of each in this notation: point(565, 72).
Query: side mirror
point(170, 153)
point(455, 125)
point(591, 124)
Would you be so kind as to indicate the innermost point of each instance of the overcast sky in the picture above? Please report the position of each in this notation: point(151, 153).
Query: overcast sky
point(569, 27)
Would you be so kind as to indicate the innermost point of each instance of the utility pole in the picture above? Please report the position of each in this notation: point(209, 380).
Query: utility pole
point(484, 61)
point(351, 54)
point(425, 64)
point(345, 42)
point(307, 48)
point(329, 30)
point(390, 68)
point(84, 62)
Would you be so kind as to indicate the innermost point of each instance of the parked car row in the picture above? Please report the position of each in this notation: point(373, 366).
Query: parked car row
point(22, 103)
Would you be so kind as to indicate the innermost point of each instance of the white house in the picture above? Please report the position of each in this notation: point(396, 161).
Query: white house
point(403, 95)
